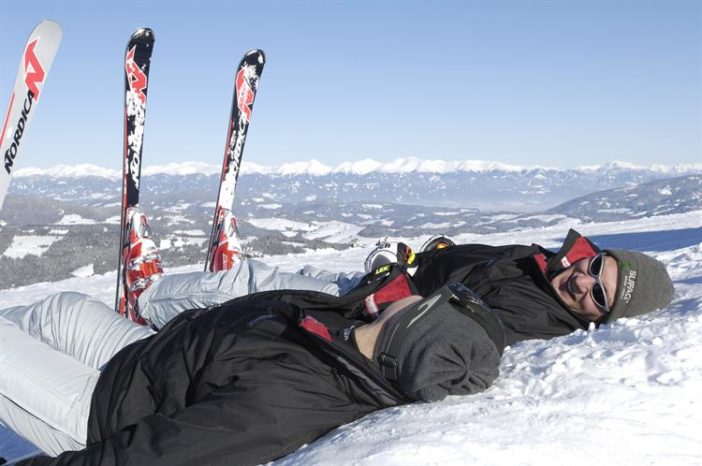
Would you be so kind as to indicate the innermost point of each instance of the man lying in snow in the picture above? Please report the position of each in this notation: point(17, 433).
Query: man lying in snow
point(246, 383)
point(533, 292)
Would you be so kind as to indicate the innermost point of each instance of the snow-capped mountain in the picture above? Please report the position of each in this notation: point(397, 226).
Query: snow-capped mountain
point(671, 195)
point(66, 224)
point(470, 184)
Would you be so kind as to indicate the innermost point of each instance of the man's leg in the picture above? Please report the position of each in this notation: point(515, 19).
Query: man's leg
point(173, 294)
point(44, 394)
point(345, 281)
point(78, 326)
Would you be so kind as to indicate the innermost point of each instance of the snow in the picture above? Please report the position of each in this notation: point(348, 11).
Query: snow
point(543, 217)
point(23, 245)
point(625, 394)
point(413, 164)
point(485, 165)
point(312, 167)
point(84, 272)
point(620, 210)
point(446, 214)
point(177, 208)
point(331, 232)
point(616, 164)
point(360, 167)
point(195, 232)
point(177, 220)
point(75, 219)
point(182, 169)
point(279, 224)
point(663, 169)
point(436, 226)
point(385, 222)
point(69, 171)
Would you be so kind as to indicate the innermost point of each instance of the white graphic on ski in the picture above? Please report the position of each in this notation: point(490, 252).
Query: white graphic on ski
point(137, 63)
point(245, 87)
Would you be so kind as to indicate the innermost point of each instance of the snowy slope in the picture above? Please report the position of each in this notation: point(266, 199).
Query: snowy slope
point(627, 393)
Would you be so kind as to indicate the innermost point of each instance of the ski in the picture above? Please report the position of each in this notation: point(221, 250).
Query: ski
point(39, 53)
point(246, 84)
point(136, 66)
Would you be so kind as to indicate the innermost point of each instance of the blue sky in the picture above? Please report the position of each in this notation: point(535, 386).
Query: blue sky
point(555, 83)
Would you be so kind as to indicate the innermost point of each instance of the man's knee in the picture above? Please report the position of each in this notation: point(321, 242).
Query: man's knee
point(67, 299)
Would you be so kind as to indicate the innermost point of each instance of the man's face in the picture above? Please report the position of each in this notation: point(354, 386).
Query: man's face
point(574, 286)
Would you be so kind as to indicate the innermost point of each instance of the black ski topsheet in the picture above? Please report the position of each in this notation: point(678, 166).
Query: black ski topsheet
point(137, 62)
point(248, 74)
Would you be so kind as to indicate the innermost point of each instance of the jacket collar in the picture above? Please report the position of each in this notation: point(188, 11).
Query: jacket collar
point(575, 247)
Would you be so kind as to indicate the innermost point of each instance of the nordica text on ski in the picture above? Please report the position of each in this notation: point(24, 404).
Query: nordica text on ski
point(11, 152)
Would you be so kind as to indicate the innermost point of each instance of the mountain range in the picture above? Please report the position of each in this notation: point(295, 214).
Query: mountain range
point(472, 184)
point(64, 221)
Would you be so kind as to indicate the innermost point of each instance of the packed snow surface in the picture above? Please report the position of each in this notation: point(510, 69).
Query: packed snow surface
point(627, 393)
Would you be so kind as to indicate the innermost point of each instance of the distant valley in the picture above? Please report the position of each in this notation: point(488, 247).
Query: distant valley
point(52, 227)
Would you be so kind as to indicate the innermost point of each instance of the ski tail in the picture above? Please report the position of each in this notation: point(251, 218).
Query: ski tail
point(137, 62)
point(246, 84)
point(39, 53)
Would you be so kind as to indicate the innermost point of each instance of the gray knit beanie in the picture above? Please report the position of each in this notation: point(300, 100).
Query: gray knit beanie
point(443, 345)
point(643, 284)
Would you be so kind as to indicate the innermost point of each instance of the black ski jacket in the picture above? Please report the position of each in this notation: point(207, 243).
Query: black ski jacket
point(513, 281)
point(244, 383)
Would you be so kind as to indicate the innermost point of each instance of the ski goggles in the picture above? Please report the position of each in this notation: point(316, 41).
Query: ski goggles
point(598, 293)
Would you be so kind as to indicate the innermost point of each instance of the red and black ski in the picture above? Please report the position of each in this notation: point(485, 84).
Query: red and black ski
point(136, 66)
point(246, 84)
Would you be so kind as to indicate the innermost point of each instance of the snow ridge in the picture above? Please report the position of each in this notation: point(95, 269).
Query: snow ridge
point(362, 167)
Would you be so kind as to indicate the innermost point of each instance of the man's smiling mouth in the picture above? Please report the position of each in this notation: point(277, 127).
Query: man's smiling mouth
point(569, 286)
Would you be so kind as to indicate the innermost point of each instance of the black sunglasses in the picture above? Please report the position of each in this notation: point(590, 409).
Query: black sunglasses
point(598, 294)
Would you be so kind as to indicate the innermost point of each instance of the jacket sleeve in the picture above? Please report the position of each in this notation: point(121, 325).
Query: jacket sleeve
point(268, 412)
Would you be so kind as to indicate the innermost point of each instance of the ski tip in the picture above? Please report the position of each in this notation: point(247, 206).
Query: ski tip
point(256, 54)
point(144, 33)
point(50, 23)
point(50, 27)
